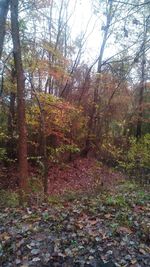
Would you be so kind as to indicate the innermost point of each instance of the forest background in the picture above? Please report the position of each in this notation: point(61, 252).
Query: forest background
point(61, 100)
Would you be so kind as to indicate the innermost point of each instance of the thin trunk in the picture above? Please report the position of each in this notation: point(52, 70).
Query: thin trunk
point(11, 121)
point(22, 144)
point(143, 83)
point(43, 138)
point(48, 85)
point(92, 130)
point(44, 152)
point(11, 126)
point(59, 26)
point(4, 6)
point(43, 145)
point(140, 104)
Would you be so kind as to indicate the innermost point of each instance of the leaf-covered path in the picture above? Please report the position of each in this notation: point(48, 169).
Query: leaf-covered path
point(79, 230)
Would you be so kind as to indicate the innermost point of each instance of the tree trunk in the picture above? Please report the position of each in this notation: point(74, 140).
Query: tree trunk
point(22, 144)
point(143, 83)
point(140, 105)
point(43, 145)
point(44, 153)
point(4, 5)
point(11, 123)
point(94, 115)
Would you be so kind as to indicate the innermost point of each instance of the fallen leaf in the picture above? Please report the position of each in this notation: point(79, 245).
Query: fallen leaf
point(93, 222)
point(141, 250)
point(107, 216)
point(133, 261)
point(124, 230)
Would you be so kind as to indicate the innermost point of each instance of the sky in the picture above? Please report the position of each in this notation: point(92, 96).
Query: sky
point(83, 18)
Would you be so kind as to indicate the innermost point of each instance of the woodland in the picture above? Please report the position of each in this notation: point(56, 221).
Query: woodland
point(74, 133)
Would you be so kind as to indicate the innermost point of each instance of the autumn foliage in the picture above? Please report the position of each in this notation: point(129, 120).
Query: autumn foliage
point(56, 107)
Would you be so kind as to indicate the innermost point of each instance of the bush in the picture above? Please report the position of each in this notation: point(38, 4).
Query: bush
point(9, 199)
point(64, 128)
point(2, 154)
point(110, 153)
point(137, 159)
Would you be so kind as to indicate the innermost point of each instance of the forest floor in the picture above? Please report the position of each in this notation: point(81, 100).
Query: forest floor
point(101, 219)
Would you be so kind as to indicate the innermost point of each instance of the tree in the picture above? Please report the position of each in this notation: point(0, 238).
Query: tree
point(4, 5)
point(109, 12)
point(146, 22)
point(22, 143)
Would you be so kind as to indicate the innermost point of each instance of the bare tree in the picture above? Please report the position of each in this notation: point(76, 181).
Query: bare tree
point(143, 76)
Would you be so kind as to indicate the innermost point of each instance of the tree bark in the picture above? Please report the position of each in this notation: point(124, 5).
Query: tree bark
point(22, 144)
point(11, 123)
point(143, 81)
point(4, 5)
point(140, 104)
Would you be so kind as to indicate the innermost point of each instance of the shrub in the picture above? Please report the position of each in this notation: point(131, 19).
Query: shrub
point(9, 199)
point(137, 159)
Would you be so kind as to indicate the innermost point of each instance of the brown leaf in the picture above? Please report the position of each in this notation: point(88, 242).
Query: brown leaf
point(79, 225)
point(141, 250)
point(124, 230)
point(133, 261)
point(107, 216)
point(138, 209)
point(5, 236)
point(93, 222)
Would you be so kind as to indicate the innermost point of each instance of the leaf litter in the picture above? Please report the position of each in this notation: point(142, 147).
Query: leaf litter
point(102, 229)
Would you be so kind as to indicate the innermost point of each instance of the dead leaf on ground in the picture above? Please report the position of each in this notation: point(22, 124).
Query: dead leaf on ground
point(124, 230)
point(107, 216)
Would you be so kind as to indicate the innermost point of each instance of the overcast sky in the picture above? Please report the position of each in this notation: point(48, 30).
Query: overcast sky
point(82, 17)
